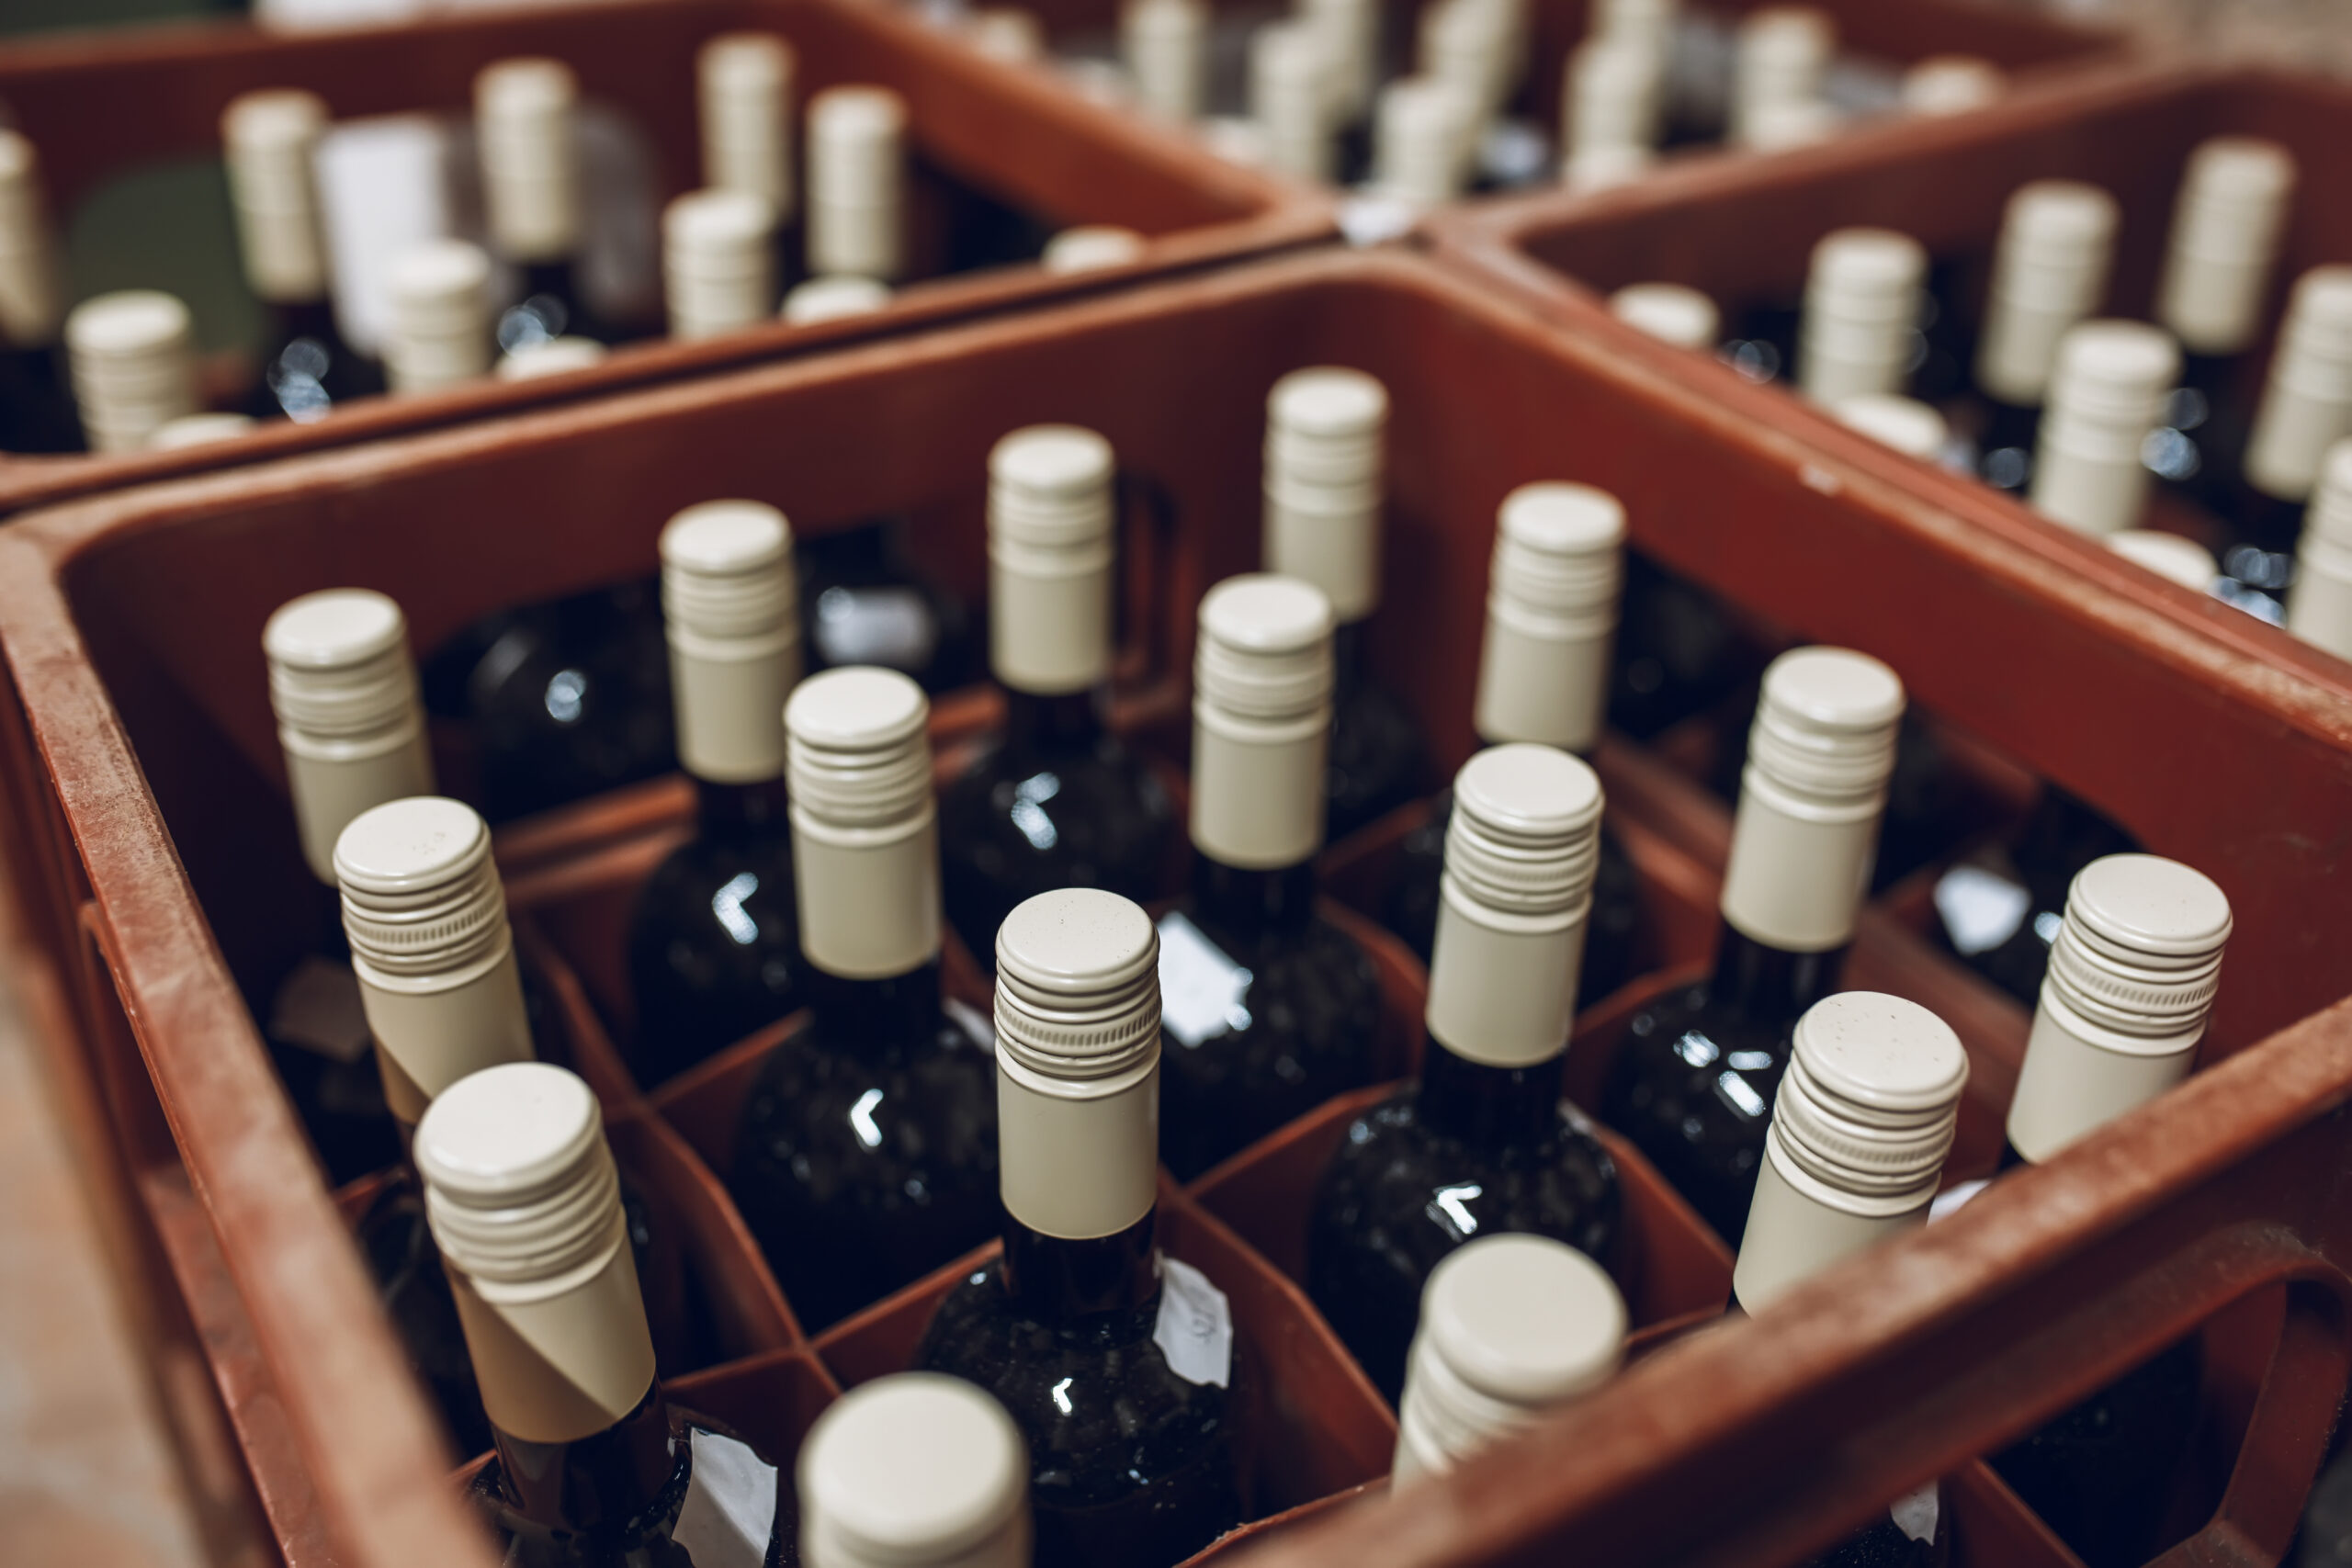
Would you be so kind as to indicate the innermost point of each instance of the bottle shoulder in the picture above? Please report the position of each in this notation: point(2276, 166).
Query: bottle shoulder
point(1397, 1181)
point(930, 1102)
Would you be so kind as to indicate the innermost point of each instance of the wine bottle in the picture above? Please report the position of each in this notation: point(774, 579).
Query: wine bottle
point(856, 182)
point(344, 689)
point(743, 84)
point(439, 330)
point(866, 1155)
point(914, 1471)
point(2306, 407)
point(524, 113)
point(1860, 1125)
point(1671, 313)
point(2319, 602)
point(2131, 980)
point(1053, 801)
point(133, 366)
point(1271, 1008)
point(718, 262)
point(1119, 1365)
point(270, 139)
point(2049, 271)
point(1860, 333)
point(592, 1465)
point(1483, 1142)
point(1542, 678)
point(1324, 496)
point(1780, 61)
point(1164, 44)
point(714, 944)
point(2108, 392)
point(2227, 226)
point(1692, 1083)
point(36, 395)
point(1511, 1326)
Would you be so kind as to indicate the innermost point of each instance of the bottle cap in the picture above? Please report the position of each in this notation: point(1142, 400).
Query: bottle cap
point(1008, 33)
point(1651, 20)
point(1262, 720)
point(269, 137)
point(1351, 30)
point(2169, 555)
point(548, 356)
point(2115, 375)
point(859, 755)
point(2225, 232)
point(1092, 247)
point(2330, 518)
point(731, 609)
point(916, 1470)
point(339, 663)
point(1265, 650)
point(1552, 596)
point(1781, 54)
point(1613, 89)
point(1825, 731)
point(864, 829)
point(1050, 487)
point(1290, 71)
point(1871, 1102)
point(1861, 313)
point(199, 430)
point(1525, 835)
point(856, 164)
point(1512, 1324)
point(2139, 951)
point(1777, 124)
point(2308, 402)
point(1953, 83)
point(133, 366)
point(2057, 246)
point(833, 298)
point(1668, 312)
point(32, 298)
point(1325, 431)
point(530, 167)
point(717, 262)
point(2319, 603)
point(440, 329)
point(1164, 44)
point(1417, 141)
point(1910, 426)
point(746, 101)
point(1050, 558)
point(421, 896)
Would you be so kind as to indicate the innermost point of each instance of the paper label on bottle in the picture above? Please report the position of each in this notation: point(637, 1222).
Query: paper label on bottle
point(1914, 1513)
point(1953, 1199)
point(730, 1511)
point(1981, 910)
point(890, 626)
point(1200, 988)
point(1196, 1326)
point(319, 1008)
point(973, 1021)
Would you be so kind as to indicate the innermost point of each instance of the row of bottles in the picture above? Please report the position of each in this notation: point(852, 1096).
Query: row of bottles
point(118, 373)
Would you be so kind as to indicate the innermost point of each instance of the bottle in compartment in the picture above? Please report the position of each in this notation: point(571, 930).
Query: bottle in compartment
point(718, 262)
point(1483, 1142)
point(1271, 1009)
point(1511, 1326)
point(439, 330)
point(2229, 223)
point(2306, 407)
point(592, 1464)
point(2132, 975)
point(1542, 678)
point(1692, 1083)
point(714, 942)
point(857, 177)
point(865, 1156)
point(37, 411)
point(744, 94)
point(1325, 493)
point(866, 601)
point(132, 358)
point(1120, 1364)
point(2108, 396)
point(2319, 602)
point(915, 1469)
point(525, 112)
point(269, 140)
point(1054, 800)
point(444, 994)
point(1859, 1127)
point(1669, 312)
point(2050, 272)
point(1859, 334)
point(1611, 112)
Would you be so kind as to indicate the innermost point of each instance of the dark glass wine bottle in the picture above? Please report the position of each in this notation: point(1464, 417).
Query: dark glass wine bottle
point(866, 1154)
point(1324, 496)
point(533, 196)
point(1053, 801)
point(592, 1465)
point(2134, 971)
point(1859, 1127)
point(1484, 1141)
point(1693, 1080)
point(1270, 1009)
point(1511, 1325)
point(2057, 248)
point(2306, 407)
point(714, 942)
point(915, 1469)
point(2000, 918)
point(1542, 678)
point(1118, 1364)
point(37, 411)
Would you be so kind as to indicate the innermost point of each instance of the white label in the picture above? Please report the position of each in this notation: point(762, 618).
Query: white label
point(1980, 908)
point(1200, 988)
point(1915, 1513)
point(1196, 1326)
point(730, 1511)
point(1953, 1199)
point(319, 1008)
point(974, 1022)
point(381, 190)
point(890, 626)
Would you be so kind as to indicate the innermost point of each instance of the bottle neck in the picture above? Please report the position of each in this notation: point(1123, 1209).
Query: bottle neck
point(1250, 905)
point(1065, 722)
point(1489, 1107)
point(1769, 986)
point(592, 1485)
point(879, 1017)
point(1347, 655)
point(757, 809)
point(1062, 1281)
point(314, 318)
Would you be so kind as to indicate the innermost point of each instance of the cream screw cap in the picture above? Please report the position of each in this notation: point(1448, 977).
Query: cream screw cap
point(1671, 313)
point(2226, 227)
point(342, 685)
point(523, 112)
point(916, 1470)
point(2107, 394)
point(32, 297)
point(269, 137)
point(2319, 603)
point(1262, 720)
